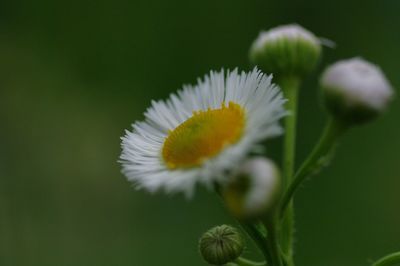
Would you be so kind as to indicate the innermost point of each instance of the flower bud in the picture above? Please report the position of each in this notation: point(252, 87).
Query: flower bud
point(221, 244)
point(253, 191)
point(355, 90)
point(286, 50)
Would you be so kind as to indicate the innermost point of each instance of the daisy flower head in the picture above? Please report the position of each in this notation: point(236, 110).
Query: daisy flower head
point(202, 133)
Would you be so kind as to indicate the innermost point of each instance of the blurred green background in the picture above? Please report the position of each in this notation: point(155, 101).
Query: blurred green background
point(75, 74)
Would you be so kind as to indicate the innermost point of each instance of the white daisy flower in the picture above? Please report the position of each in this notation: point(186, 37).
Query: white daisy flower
point(202, 132)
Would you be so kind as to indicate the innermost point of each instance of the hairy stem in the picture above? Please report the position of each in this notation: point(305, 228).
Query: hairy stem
point(258, 239)
point(273, 241)
point(317, 159)
point(290, 87)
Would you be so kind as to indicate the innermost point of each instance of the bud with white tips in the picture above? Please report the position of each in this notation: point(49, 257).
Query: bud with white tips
point(355, 90)
point(221, 244)
point(286, 50)
point(254, 190)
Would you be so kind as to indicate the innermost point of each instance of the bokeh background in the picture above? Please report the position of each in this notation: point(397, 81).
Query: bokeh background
point(75, 74)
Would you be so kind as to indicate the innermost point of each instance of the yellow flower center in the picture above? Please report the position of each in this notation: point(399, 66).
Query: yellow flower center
point(203, 136)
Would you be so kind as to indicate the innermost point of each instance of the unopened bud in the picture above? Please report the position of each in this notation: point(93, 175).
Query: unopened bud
point(286, 50)
point(355, 90)
point(221, 244)
point(254, 190)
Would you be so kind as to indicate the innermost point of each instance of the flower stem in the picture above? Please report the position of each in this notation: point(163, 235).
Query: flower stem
point(318, 158)
point(245, 262)
point(391, 259)
point(273, 241)
point(290, 86)
point(258, 238)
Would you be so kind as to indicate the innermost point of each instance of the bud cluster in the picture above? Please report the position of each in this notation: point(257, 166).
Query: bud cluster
point(355, 90)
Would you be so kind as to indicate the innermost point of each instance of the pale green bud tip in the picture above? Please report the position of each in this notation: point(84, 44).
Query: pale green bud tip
point(221, 244)
point(355, 90)
point(288, 50)
point(253, 191)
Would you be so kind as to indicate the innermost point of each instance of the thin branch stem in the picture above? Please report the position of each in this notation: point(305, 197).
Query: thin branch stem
point(316, 160)
point(245, 262)
point(258, 239)
point(273, 241)
point(391, 259)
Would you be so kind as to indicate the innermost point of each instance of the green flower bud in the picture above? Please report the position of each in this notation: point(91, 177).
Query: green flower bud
point(286, 50)
point(355, 90)
point(254, 190)
point(221, 244)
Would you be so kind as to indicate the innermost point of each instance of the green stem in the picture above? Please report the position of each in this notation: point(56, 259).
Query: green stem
point(245, 262)
point(391, 259)
point(290, 86)
point(273, 241)
point(317, 159)
point(258, 239)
